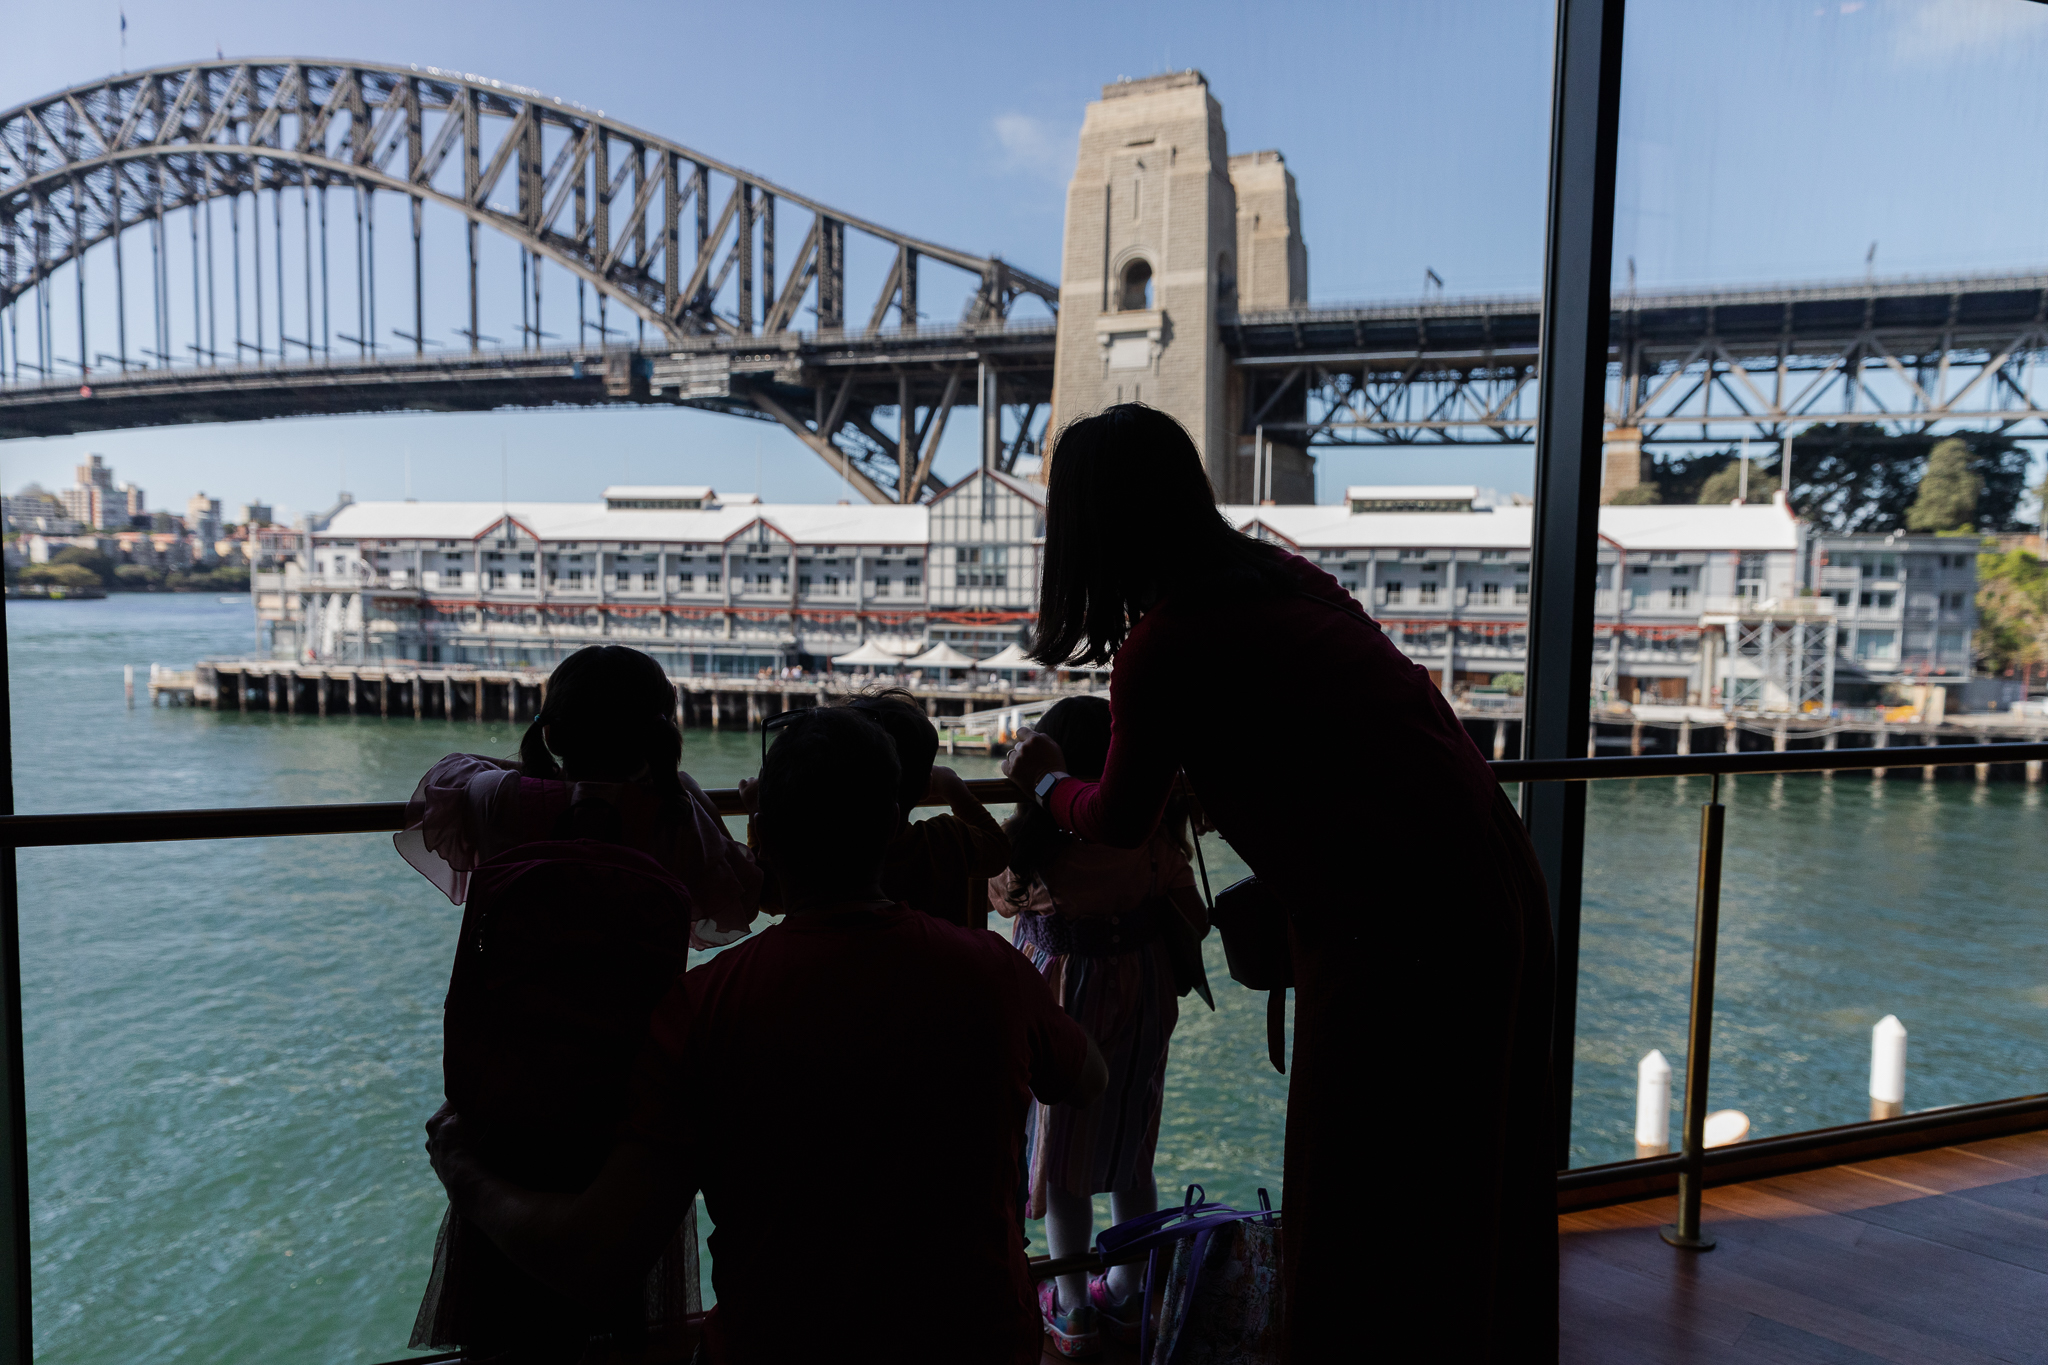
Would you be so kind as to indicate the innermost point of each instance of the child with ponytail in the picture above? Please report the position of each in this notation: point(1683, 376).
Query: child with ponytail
point(587, 869)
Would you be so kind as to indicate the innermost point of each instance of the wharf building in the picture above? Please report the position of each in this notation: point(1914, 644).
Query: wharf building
point(1740, 606)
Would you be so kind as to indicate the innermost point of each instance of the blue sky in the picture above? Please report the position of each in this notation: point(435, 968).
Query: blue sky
point(1763, 140)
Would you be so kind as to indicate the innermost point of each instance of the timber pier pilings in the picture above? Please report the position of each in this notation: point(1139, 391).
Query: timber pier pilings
point(470, 693)
point(458, 692)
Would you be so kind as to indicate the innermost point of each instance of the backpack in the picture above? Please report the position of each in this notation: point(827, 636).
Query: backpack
point(1219, 1300)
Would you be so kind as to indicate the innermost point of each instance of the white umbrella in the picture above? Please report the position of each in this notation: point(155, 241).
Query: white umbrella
point(869, 655)
point(1013, 656)
point(940, 655)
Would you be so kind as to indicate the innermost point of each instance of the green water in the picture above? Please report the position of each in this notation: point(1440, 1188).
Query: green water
point(231, 1045)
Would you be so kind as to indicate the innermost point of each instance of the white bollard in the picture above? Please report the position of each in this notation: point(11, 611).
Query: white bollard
point(128, 683)
point(1653, 1105)
point(1888, 1068)
point(1723, 1127)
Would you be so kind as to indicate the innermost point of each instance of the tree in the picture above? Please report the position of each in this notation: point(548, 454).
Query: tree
point(135, 577)
point(1947, 497)
point(1645, 494)
point(101, 567)
point(60, 575)
point(2012, 611)
point(1724, 485)
point(1856, 477)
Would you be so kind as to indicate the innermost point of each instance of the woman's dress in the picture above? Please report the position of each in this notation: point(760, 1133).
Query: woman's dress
point(1420, 1180)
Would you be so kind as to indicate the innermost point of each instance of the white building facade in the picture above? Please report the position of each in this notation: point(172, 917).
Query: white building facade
point(1716, 605)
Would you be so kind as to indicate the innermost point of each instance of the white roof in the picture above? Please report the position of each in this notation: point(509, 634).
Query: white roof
point(1013, 656)
point(940, 655)
point(841, 524)
point(683, 492)
point(1412, 492)
point(869, 655)
point(1766, 526)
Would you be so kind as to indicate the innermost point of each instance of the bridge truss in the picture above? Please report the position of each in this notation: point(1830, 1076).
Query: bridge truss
point(1686, 368)
point(684, 244)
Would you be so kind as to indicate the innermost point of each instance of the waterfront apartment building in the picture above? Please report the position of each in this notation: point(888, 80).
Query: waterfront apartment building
point(703, 583)
point(1738, 605)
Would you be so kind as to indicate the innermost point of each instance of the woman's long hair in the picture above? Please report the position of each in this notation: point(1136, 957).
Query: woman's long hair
point(610, 713)
point(1080, 725)
point(1129, 512)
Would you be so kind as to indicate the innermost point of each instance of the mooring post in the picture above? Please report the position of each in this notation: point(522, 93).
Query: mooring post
point(447, 697)
point(479, 716)
point(418, 705)
point(1635, 737)
point(1880, 740)
point(1685, 735)
point(128, 683)
point(320, 694)
point(270, 691)
point(384, 696)
point(352, 693)
point(1653, 1105)
point(1686, 1231)
point(1888, 1068)
point(716, 696)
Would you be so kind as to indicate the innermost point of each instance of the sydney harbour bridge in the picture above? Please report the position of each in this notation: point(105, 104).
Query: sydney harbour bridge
point(700, 284)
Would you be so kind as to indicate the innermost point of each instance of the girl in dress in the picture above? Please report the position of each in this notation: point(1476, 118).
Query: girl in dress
point(1093, 920)
point(587, 870)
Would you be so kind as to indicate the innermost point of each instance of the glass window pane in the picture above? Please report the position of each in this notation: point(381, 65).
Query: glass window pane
point(1822, 395)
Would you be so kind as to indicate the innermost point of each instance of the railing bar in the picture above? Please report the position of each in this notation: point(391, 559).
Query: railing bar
point(271, 822)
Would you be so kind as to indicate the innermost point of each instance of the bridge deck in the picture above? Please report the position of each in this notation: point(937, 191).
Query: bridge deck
point(1932, 1256)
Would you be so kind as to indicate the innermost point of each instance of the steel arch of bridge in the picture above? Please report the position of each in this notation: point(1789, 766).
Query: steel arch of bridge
point(1908, 355)
point(79, 166)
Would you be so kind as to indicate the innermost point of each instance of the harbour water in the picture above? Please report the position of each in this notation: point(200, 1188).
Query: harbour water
point(231, 1045)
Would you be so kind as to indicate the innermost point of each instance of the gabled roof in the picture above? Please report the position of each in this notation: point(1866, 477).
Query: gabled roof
point(1023, 488)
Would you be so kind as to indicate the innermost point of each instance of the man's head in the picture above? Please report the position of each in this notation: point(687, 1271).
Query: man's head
point(917, 742)
point(827, 806)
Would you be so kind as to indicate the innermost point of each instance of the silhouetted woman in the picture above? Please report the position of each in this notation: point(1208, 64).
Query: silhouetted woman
point(1419, 1184)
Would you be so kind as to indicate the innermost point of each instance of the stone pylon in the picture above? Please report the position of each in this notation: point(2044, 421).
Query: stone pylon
point(1167, 236)
point(1151, 235)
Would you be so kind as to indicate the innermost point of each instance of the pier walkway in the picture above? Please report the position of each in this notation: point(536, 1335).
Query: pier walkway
point(980, 715)
point(459, 692)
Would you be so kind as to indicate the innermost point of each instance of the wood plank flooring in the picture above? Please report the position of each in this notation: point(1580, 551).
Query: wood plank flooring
point(1936, 1257)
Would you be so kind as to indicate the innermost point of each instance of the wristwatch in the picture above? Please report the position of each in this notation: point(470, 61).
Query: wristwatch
point(1046, 784)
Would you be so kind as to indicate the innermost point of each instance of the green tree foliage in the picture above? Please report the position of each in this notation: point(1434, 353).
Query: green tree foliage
point(1949, 489)
point(1855, 477)
point(102, 567)
point(60, 575)
point(1724, 485)
point(2012, 611)
point(1644, 494)
point(136, 577)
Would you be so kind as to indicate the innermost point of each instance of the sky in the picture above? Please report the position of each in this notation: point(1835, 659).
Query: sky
point(1762, 141)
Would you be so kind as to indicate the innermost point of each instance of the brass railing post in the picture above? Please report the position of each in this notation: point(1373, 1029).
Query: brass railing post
point(1706, 929)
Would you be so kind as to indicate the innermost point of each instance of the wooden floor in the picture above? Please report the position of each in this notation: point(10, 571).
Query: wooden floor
point(1937, 1257)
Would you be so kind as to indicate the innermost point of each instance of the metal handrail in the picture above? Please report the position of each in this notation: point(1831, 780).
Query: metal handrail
point(272, 822)
point(126, 827)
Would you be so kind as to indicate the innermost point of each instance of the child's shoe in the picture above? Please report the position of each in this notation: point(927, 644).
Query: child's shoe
point(1075, 1333)
point(1120, 1318)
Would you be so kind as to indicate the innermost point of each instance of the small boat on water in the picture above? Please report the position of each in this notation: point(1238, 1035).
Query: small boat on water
point(234, 601)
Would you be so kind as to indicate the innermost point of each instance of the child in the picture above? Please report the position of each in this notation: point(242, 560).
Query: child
point(589, 868)
point(1092, 919)
point(940, 866)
